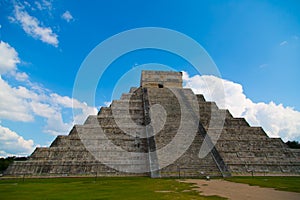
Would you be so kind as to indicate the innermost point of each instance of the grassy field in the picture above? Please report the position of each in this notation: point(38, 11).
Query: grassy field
point(123, 188)
point(291, 184)
point(103, 188)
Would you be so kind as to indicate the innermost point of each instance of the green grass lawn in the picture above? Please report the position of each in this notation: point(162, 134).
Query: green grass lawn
point(123, 188)
point(103, 188)
point(291, 184)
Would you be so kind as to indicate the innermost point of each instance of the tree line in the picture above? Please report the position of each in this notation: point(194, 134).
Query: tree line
point(5, 162)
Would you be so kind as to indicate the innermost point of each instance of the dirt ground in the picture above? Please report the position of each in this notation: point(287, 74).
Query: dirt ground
point(239, 191)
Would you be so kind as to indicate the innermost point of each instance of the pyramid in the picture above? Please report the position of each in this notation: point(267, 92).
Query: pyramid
point(161, 129)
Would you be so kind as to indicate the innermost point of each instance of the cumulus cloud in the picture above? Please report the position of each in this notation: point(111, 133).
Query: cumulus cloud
point(67, 16)
point(13, 144)
point(12, 105)
point(26, 101)
point(8, 62)
point(81, 109)
point(8, 58)
point(23, 103)
point(32, 26)
point(276, 119)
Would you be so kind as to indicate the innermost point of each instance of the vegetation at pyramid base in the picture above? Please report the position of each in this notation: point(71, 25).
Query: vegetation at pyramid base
point(293, 144)
point(5, 162)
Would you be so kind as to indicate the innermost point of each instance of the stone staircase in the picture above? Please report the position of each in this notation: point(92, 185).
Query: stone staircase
point(189, 163)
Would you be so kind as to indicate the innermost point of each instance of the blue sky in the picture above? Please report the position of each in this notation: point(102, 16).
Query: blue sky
point(255, 45)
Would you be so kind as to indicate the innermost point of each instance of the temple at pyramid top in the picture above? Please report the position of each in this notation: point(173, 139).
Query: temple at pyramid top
point(161, 79)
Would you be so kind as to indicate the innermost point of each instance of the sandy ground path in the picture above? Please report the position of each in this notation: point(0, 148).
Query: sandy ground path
point(239, 191)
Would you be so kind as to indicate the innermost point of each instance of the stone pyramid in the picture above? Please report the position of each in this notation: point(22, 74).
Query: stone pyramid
point(161, 130)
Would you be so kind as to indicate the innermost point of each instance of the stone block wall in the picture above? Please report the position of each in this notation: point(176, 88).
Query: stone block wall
point(161, 79)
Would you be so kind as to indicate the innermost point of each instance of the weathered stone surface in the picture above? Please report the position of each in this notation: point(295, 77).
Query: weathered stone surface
point(160, 79)
point(128, 124)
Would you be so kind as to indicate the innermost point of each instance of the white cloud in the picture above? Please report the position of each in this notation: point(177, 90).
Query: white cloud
point(8, 62)
point(13, 144)
point(277, 120)
point(81, 109)
point(43, 5)
point(27, 101)
point(8, 58)
point(38, 5)
point(55, 124)
point(24, 104)
point(27, 4)
point(12, 105)
point(32, 26)
point(21, 76)
point(67, 16)
point(283, 43)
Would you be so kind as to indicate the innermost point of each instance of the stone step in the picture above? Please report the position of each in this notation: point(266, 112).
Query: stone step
point(65, 140)
point(200, 98)
point(91, 119)
point(91, 132)
point(134, 89)
point(131, 96)
point(265, 169)
point(121, 102)
point(132, 116)
point(245, 133)
point(104, 111)
point(219, 123)
point(245, 145)
point(69, 167)
point(121, 121)
point(225, 114)
point(207, 106)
